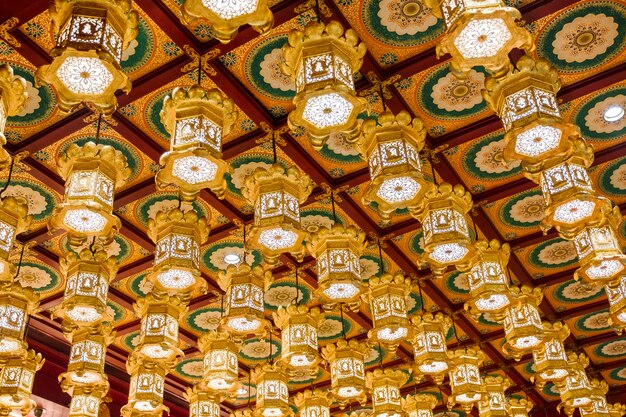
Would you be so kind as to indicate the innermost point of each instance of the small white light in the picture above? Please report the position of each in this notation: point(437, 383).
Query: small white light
point(232, 258)
point(613, 113)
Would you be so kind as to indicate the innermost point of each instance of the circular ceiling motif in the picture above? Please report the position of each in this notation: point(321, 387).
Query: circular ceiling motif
point(338, 149)
point(246, 391)
point(139, 49)
point(139, 285)
point(524, 210)
point(191, 368)
point(40, 104)
point(483, 159)
point(312, 219)
point(131, 340)
point(330, 327)
point(258, 350)
point(488, 320)
point(400, 23)
point(120, 247)
point(554, 253)
point(262, 66)
point(116, 311)
point(612, 349)
point(242, 166)
point(551, 390)
point(213, 256)
point(593, 322)
point(413, 303)
point(373, 355)
point(282, 294)
point(204, 319)
point(151, 205)
point(584, 36)
point(299, 377)
point(577, 292)
point(589, 116)
point(370, 266)
point(153, 115)
point(457, 283)
point(619, 374)
point(612, 180)
point(416, 243)
point(38, 276)
point(40, 199)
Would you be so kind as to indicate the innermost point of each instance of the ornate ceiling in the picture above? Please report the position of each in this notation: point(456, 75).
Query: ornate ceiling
point(584, 40)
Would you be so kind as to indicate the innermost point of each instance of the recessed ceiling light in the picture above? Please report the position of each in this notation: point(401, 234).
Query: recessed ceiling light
point(613, 113)
point(232, 258)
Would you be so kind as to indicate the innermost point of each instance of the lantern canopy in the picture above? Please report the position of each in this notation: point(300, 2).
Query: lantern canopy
point(13, 95)
point(523, 328)
point(313, 403)
point(298, 327)
point(465, 382)
point(519, 407)
point(221, 365)
point(202, 403)
point(384, 385)
point(387, 296)
point(158, 336)
point(550, 359)
point(429, 346)
point(347, 371)
point(86, 401)
point(494, 403)
point(419, 405)
point(272, 395)
point(147, 382)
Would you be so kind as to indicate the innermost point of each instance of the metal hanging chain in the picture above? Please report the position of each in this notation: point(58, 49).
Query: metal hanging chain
point(331, 193)
point(274, 145)
point(380, 356)
point(419, 288)
point(19, 263)
point(8, 178)
point(200, 70)
point(317, 11)
point(297, 299)
point(98, 124)
point(382, 96)
point(270, 359)
point(343, 327)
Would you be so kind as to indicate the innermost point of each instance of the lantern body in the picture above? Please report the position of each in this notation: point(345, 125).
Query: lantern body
point(550, 359)
point(419, 405)
point(578, 391)
point(146, 388)
point(494, 402)
point(16, 303)
point(158, 337)
point(13, 96)
point(347, 371)
point(272, 395)
point(85, 404)
point(384, 386)
point(299, 347)
point(14, 219)
point(387, 295)
point(429, 345)
point(616, 293)
point(202, 403)
point(221, 365)
point(598, 408)
point(599, 254)
point(465, 380)
point(522, 323)
point(16, 381)
point(313, 403)
point(87, 358)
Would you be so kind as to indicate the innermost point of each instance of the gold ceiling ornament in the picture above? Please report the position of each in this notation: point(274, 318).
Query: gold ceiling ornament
point(197, 120)
point(480, 33)
point(347, 370)
point(391, 146)
point(276, 194)
point(578, 391)
point(88, 275)
point(384, 385)
point(523, 329)
point(16, 304)
point(321, 60)
point(487, 278)
point(429, 345)
point(387, 296)
point(272, 394)
point(90, 38)
point(177, 235)
point(244, 303)
point(419, 404)
point(221, 364)
point(147, 382)
point(616, 410)
point(158, 336)
point(14, 219)
point(447, 238)
point(202, 403)
point(313, 403)
point(465, 382)
point(493, 402)
point(298, 325)
point(13, 95)
point(91, 173)
point(225, 18)
point(338, 250)
point(16, 381)
point(518, 407)
point(616, 293)
point(86, 401)
point(550, 359)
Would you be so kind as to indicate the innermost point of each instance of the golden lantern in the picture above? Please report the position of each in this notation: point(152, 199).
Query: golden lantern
point(429, 345)
point(221, 365)
point(87, 359)
point(197, 120)
point(387, 296)
point(447, 239)
point(177, 236)
point(298, 327)
point(86, 401)
point(147, 381)
point(91, 173)
point(384, 385)
point(14, 219)
point(465, 382)
point(550, 359)
point(276, 194)
point(347, 370)
point(519, 407)
point(202, 403)
point(272, 394)
point(577, 390)
point(245, 308)
point(322, 60)
point(523, 329)
point(616, 410)
point(13, 95)
point(88, 275)
point(493, 402)
point(419, 405)
point(391, 146)
point(487, 279)
point(225, 18)
point(337, 251)
point(480, 33)
point(313, 403)
point(90, 38)
point(16, 381)
point(16, 304)
point(158, 337)
point(598, 408)
point(616, 293)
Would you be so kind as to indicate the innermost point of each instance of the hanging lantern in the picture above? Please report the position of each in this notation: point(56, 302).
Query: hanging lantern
point(322, 60)
point(86, 401)
point(493, 402)
point(276, 194)
point(419, 405)
point(523, 329)
point(429, 345)
point(13, 95)
point(14, 219)
point(197, 120)
point(519, 407)
point(16, 381)
point(487, 279)
point(465, 383)
point(387, 296)
point(550, 359)
point(87, 359)
point(178, 236)
point(298, 327)
point(245, 308)
point(158, 337)
point(391, 146)
point(91, 173)
point(272, 395)
point(347, 372)
point(16, 304)
point(90, 37)
point(221, 365)
point(447, 239)
point(598, 408)
point(337, 251)
point(577, 390)
point(616, 293)
point(313, 403)
point(202, 403)
point(225, 18)
point(88, 275)
point(480, 34)
point(147, 381)
point(385, 384)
